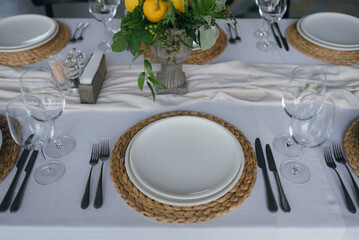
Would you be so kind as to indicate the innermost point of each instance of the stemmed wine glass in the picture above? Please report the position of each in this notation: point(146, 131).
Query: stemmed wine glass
point(33, 134)
point(304, 80)
point(260, 33)
point(308, 133)
point(104, 11)
point(271, 11)
point(41, 83)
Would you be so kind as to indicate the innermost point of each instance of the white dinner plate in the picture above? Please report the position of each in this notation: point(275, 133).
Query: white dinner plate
point(184, 160)
point(314, 41)
point(335, 29)
point(21, 31)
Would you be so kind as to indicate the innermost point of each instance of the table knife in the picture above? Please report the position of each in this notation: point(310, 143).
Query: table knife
point(272, 204)
point(18, 199)
point(285, 43)
point(276, 37)
point(20, 164)
point(283, 199)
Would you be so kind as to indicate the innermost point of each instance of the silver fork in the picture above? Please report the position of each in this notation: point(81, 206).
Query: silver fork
point(78, 26)
point(104, 155)
point(93, 161)
point(82, 30)
point(339, 157)
point(231, 39)
point(330, 163)
point(238, 38)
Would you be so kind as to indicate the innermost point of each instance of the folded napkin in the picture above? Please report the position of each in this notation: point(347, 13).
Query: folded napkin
point(235, 80)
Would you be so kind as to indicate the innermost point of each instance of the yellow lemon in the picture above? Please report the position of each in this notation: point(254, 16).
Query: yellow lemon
point(154, 11)
point(131, 4)
point(179, 5)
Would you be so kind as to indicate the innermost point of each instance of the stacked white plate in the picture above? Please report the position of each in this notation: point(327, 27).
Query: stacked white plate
point(331, 30)
point(184, 160)
point(24, 32)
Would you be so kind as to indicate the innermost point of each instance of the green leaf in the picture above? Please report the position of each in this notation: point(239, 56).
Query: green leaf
point(152, 91)
point(148, 68)
point(184, 42)
point(207, 39)
point(208, 4)
point(200, 6)
point(137, 54)
point(156, 43)
point(156, 82)
point(141, 80)
point(216, 15)
point(119, 44)
point(195, 8)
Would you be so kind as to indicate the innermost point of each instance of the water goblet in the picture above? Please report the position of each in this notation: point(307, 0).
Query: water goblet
point(308, 133)
point(104, 11)
point(260, 33)
point(304, 80)
point(33, 134)
point(271, 11)
point(41, 84)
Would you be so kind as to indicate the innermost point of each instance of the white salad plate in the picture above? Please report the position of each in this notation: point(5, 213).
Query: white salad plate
point(26, 31)
point(332, 30)
point(184, 160)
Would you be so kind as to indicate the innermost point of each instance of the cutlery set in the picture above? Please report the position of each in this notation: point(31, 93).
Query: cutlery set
point(79, 27)
point(231, 38)
point(272, 204)
point(279, 39)
point(340, 158)
point(99, 152)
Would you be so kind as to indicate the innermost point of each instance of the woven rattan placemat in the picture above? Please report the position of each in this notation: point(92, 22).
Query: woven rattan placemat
point(182, 214)
point(39, 53)
point(199, 56)
point(320, 53)
point(9, 149)
point(351, 145)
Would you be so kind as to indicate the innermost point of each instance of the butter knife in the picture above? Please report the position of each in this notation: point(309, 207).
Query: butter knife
point(18, 199)
point(20, 164)
point(283, 199)
point(276, 37)
point(284, 41)
point(272, 204)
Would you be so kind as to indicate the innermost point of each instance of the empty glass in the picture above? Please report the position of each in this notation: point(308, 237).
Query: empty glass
point(308, 133)
point(304, 80)
point(271, 11)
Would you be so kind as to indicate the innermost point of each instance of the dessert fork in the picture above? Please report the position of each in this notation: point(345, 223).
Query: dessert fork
point(78, 26)
point(339, 157)
point(93, 161)
point(330, 163)
point(104, 155)
point(82, 30)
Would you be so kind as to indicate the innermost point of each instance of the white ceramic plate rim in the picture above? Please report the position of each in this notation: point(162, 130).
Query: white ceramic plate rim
point(28, 17)
point(304, 35)
point(306, 25)
point(35, 45)
point(206, 190)
point(177, 202)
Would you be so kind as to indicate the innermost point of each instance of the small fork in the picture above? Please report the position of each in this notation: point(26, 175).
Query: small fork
point(104, 155)
point(93, 161)
point(78, 26)
point(330, 163)
point(339, 157)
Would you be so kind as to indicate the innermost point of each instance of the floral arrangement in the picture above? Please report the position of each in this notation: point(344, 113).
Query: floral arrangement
point(148, 22)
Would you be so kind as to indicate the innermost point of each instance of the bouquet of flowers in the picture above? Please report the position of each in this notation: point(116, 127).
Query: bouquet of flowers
point(154, 22)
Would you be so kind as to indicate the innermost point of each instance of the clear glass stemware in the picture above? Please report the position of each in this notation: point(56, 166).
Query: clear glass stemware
point(40, 83)
point(260, 33)
point(304, 80)
point(33, 134)
point(308, 133)
point(271, 11)
point(104, 11)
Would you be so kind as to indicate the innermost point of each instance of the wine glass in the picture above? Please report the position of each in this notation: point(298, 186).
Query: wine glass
point(308, 133)
point(271, 11)
point(33, 134)
point(304, 80)
point(104, 11)
point(40, 83)
point(260, 33)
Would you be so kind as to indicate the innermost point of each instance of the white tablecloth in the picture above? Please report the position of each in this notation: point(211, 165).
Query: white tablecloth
point(244, 93)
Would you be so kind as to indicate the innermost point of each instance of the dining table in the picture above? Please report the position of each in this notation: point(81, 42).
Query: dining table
point(242, 86)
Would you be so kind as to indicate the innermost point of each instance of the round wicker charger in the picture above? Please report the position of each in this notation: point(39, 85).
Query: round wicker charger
point(320, 53)
point(199, 56)
point(39, 53)
point(182, 214)
point(351, 146)
point(9, 149)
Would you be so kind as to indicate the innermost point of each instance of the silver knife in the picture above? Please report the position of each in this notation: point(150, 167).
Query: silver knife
point(283, 199)
point(272, 204)
point(18, 199)
point(276, 37)
point(284, 41)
